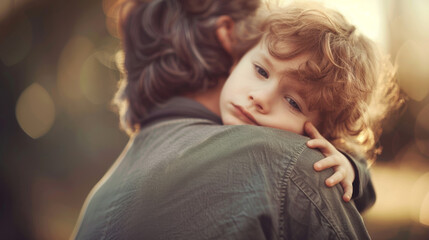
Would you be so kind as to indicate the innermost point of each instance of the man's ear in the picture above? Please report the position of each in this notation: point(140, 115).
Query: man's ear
point(224, 32)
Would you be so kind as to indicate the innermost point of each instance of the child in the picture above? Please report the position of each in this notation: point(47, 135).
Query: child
point(312, 67)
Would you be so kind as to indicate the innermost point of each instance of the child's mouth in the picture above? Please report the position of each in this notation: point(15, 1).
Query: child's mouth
point(246, 115)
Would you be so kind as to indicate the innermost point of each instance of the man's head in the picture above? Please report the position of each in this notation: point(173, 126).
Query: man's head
point(172, 48)
point(324, 71)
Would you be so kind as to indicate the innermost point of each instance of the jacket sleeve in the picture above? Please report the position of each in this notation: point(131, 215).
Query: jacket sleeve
point(363, 190)
point(311, 210)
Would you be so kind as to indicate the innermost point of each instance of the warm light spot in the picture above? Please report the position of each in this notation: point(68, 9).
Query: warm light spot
point(112, 26)
point(110, 7)
point(413, 71)
point(35, 111)
point(416, 17)
point(17, 42)
point(400, 186)
point(417, 195)
point(111, 10)
point(391, 184)
point(97, 82)
point(366, 15)
point(424, 211)
point(70, 64)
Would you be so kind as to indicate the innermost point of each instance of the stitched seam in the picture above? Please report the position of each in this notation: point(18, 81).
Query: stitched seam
point(339, 235)
point(283, 186)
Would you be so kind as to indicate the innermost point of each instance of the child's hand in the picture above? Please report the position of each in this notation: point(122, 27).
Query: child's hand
point(344, 172)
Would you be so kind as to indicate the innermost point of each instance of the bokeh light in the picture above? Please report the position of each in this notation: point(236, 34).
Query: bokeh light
point(416, 17)
point(70, 64)
point(413, 70)
point(111, 10)
point(390, 184)
point(366, 15)
point(417, 196)
point(424, 211)
point(401, 185)
point(35, 111)
point(96, 83)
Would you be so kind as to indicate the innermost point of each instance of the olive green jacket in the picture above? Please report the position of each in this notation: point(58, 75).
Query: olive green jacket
point(184, 176)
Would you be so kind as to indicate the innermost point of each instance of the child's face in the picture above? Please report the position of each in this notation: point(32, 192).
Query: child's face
point(260, 91)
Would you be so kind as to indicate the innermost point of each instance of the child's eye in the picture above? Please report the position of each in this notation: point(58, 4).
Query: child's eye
point(293, 103)
point(261, 71)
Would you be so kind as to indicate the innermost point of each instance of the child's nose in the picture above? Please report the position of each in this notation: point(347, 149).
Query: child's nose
point(261, 100)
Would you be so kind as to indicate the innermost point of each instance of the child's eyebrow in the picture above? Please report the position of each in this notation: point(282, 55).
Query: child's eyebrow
point(266, 59)
point(291, 73)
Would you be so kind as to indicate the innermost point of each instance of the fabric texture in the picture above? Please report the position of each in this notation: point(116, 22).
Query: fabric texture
point(185, 176)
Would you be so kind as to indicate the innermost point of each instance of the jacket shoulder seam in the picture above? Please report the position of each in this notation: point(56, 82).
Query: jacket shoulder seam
point(284, 184)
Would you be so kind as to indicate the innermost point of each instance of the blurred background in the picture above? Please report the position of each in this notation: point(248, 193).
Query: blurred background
point(58, 134)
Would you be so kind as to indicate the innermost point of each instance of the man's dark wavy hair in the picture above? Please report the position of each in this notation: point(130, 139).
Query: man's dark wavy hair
point(171, 49)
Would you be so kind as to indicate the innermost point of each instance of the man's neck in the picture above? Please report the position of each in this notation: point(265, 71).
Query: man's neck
point(209, 98)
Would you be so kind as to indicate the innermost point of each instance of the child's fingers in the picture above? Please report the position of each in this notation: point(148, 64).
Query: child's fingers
point(348, 191)
point(337, 177)
point(328, 162)
point(322, 144)
point(311, 130)
point(317, 143)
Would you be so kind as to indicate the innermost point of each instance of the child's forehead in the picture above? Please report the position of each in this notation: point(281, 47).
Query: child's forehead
point(287, 65)
point(290, 71)
point(293, 68)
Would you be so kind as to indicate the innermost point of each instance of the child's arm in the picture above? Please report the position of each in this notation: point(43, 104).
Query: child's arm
point(344, 171)
point(363, 190)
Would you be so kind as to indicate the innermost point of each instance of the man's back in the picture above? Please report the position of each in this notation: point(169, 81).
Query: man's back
point(192, 179)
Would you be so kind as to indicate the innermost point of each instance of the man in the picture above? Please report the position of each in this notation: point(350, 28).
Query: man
point(185, 176)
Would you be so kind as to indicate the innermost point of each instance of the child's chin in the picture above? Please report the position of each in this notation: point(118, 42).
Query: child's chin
point(230, 122)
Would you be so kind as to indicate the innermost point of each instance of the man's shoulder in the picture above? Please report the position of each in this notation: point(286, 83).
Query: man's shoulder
point(256, 142)
point(267, 134)
point(273, 139)
point(199, 136)
point(276, 144)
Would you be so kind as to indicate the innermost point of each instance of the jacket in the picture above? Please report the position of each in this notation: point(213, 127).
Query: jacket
point(185, 176)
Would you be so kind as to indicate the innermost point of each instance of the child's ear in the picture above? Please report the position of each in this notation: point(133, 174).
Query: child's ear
point(224, 32)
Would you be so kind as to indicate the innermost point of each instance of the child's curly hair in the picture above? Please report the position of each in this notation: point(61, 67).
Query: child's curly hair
point(352, 85)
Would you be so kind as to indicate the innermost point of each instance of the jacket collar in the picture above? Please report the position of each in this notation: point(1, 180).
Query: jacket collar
point(180, 107)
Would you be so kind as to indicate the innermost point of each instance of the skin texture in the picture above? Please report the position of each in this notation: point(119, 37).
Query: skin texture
point(262, 91)
point(344, 172)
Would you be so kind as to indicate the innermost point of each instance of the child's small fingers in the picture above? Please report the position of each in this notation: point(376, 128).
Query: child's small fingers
point(311, 130)
point(337, 177)
point(348, 191)
point(325, 163)
point(318, 143)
